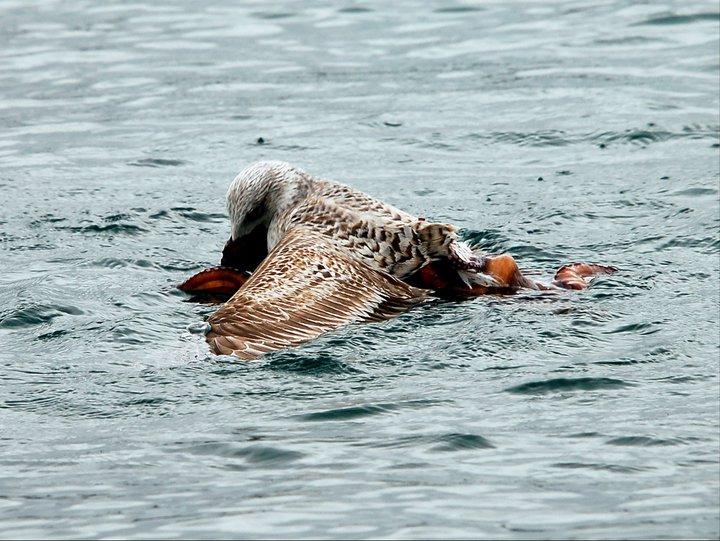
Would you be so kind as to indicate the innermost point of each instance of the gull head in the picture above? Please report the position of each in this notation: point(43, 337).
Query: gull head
point(262, 192)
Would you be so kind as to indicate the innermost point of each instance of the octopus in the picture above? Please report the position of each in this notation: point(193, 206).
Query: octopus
point(308, 255)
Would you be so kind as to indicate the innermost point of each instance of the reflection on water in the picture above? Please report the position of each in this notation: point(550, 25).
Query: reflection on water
point(556, 131)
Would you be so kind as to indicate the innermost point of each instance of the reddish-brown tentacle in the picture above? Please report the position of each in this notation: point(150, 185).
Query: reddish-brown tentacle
point(442, 278)
point(579, 275)
point(216, 280)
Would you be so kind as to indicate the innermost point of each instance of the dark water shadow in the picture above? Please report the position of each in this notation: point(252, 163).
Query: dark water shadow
point(559, 385)
point(157, 162)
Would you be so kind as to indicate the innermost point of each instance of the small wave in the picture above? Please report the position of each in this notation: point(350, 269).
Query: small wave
point(685, 379)
point(634, 136)
point(37, 315)
point(544, 138)
point(145, 401)
point(255, 454)
point(115, 263)
point(452, 441)
point(568, 384)
point(354, 9)
point(367, 410)
point(271, 16)
point(113, 228)
point(178, 265)
point(157, 162)
point(457, 9)
point(119, 217)
point(199, 216)
point(190, 213)
point(681, 19)
point(318, 364)
point(640, 328)
point(46, 219)
point(644, 441)
point(528, 252)
point(623, 362)
point(489, 240)
point(644, 136)
point(707, 244)
point(343, 414)
point(696, 192)
point(38, 402)
point(461, 442)
point(626, 40)
point(584, 435)
point(52, 335)
point(615, 468)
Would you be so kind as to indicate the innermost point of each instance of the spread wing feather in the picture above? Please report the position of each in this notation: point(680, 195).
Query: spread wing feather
point(306, 286)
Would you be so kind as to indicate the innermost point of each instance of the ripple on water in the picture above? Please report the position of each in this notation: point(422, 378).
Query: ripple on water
point(116, 263)
point(195, 215)
point(680, 19)
point(253, 454)
point(558, 385)
point(444, 442)
point(273, 15)
point(354, 9)
point(623, 362)
point(317, 364)
point(544, 138)
point(141, 402)
point(52, 335)
point(708, 245)
point(644, 441)
point(615, 468)
point(367, 410)
point(461, 442)
point(37, 314)
point(457, 9)
point(489, 240)
point(696, 191)
point(634, 136)
point(639, 328)
point(113, 228)
point(157, 162)
point(343, 414)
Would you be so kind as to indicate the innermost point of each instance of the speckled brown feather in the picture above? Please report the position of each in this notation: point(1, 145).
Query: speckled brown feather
point(306, 286)
point(280, 196)
point(396, 246)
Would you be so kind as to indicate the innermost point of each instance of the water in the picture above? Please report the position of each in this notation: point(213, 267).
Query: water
point(555, 131)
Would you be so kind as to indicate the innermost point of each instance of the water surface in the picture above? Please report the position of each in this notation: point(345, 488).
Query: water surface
point(554, 131)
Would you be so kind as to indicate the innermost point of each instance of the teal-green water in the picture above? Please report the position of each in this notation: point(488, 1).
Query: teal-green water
point(555, 131)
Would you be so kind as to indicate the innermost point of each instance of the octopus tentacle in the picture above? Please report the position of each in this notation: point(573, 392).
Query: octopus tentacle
point(215, 280)
point(579, 275)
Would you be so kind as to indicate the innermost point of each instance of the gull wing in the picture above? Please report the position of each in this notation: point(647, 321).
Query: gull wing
point(306, 286)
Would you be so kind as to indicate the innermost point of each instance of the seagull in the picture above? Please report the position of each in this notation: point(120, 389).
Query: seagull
point(307, 255)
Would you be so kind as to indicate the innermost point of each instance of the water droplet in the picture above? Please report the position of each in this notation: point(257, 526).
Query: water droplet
point(200, 327)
